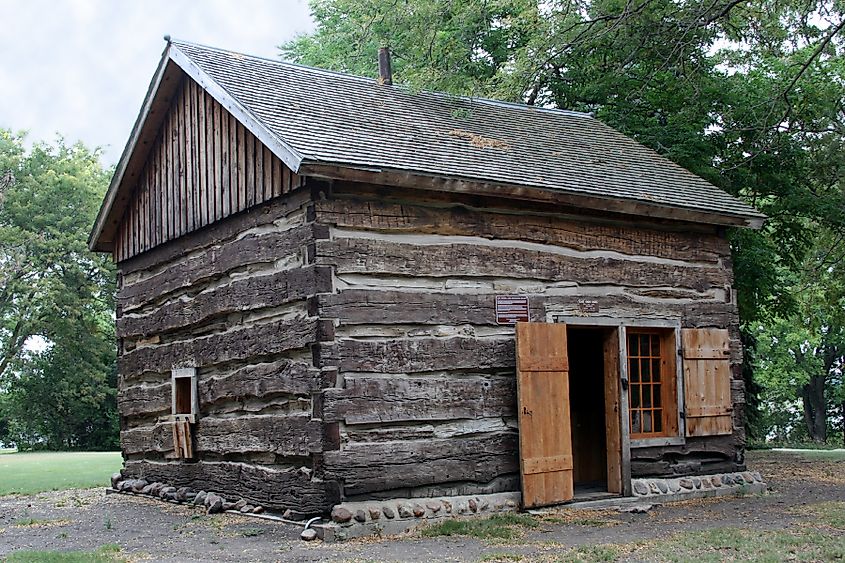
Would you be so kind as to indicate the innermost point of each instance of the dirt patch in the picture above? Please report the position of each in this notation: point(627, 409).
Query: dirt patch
point(805, 493)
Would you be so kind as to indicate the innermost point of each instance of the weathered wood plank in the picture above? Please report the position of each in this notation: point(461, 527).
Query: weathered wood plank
point(241, 294)
point(284, 435)
point(418, 354)
point(583, 235)
point(367, 400)
point(218, 232)
point(353, 255)
point(260, 380)
point(251, 249)
point(370, 467)
point(273, 487)
point(391, 307)
point(243, 343)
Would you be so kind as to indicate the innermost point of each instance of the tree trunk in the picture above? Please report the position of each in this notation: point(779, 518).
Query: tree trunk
point(815, 409)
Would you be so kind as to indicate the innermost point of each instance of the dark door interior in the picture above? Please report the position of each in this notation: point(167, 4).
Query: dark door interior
point(587, 401)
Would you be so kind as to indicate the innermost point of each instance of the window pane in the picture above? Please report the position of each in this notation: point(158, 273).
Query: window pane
point(636, 424)
point(647, 421)
point(655, 345)
point(646, 371)
point(655, 370)
point(656, 396)
point(633, 345)
point(635, 396)
point(644, 348)
point(658, 421)
point(634, 369)
point(647, 396)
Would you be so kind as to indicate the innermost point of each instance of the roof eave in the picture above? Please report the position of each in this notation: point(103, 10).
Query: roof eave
point(421, 180)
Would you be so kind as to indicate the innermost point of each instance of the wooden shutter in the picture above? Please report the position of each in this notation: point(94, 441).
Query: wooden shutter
point(545, 437)
point(182, 443)
point(707, 381)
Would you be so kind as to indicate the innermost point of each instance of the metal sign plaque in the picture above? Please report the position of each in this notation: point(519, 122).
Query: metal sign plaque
point(512, 309)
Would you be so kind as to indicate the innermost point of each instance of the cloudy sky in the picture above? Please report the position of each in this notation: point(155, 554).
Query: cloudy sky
point(81, 68)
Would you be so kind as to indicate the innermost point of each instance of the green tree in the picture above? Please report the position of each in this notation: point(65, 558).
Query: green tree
point(749, 94)
point(57, 349)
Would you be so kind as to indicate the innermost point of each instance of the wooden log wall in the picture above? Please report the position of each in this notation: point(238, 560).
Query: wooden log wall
point(231, 300)
point(425, 393)
point(203, 167)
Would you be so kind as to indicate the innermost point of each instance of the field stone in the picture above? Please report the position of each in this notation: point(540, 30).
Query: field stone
point(405, 511)
point(257, 509)
point(341, 514)
point(652, 487)
point(686, 483)
point(757, 476)
point(211, 498)
point(360, 516)
point(375, 513)
point(706, 483)
point(447, 505)
point(419, 510)
point(674, 487)
point(483, 504)
point(388, 512)
point(696, 482)
point(308, 535)
point(200, 498)
point(433, 506)
point(717, 482)
point(216, 504)
point(247, 509)
point(240, 504)
point(147, 490)
point(473, 505)
point(228, 505)
point(747, 477)
point(640, 488)
point(727, 479)
point(662, 486)
point(182, 494)
point(115, 480)
point(166, 491)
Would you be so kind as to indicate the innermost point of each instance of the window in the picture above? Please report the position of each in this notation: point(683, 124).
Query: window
point(184, 393)
point(652, 387)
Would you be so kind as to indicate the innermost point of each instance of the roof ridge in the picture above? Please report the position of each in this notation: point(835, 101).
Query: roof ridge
point(401, 87)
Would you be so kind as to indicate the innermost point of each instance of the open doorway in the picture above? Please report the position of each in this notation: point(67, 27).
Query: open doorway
point(593, 398)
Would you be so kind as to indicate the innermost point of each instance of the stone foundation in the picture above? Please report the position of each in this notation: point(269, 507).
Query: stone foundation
point(697, 486)
point(390, 517)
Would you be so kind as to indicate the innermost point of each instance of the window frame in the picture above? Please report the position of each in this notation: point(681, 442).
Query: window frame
point(670, 335)
point(190, 374)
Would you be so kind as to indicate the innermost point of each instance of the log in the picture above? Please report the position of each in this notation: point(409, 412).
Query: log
point(417, 354)
point(261, 380)
point(284, 435)
point(369, 400)
point(241, 294)
point(252, 341)
point(215, 261)
point(367, 256)
point(144, 399)
point(283, 377)
point(393, 307)
point(579, 234)
point(273, 487)
point(378, 467)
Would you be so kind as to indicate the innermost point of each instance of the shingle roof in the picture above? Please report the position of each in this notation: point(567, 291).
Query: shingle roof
point(324, 123)
point(348, 120)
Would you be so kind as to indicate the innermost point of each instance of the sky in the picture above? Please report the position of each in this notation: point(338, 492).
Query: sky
point(81, 68)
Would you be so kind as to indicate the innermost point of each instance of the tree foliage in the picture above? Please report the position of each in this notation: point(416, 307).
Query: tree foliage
point(57, 350)
point(749, 94)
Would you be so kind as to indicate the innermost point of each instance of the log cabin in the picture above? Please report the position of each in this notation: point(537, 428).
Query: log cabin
point(331, 288)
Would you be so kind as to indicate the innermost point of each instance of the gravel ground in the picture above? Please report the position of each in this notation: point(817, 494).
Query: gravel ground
point(152, 530)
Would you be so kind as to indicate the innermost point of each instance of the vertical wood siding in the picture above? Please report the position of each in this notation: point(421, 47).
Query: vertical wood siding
point(204, 166)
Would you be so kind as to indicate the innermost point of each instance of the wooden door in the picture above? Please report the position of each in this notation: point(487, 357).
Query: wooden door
point(545, 437)
point(707, 381)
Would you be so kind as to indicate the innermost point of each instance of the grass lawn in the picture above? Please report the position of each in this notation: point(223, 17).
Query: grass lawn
point(105, 554)
point(27, 473)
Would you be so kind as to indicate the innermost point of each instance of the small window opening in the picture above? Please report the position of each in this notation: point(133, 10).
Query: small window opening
point(184, 385)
